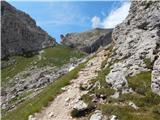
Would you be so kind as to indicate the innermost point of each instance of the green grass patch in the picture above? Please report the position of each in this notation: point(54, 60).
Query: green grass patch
point(101, 77)
point(14, 100)
point(140, 83)
point(148, 63)
point(53, 56)
point(125, 112)
point(35, 104)
point(104, 91)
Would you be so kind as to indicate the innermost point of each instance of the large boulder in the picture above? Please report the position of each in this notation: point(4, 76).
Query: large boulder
point(137, 43)
point(88, 41)
point(20, 33)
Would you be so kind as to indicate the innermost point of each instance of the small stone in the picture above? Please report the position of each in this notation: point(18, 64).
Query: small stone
point(51, 114)
point(67, 99)
point(80, 105)
point(3, 106)
point(31, 117)
point(113, 117)
point(97, 115)
point(71, 68)
point(133, 105)
point(115, 96)
point(64, 88)
point(66, 104)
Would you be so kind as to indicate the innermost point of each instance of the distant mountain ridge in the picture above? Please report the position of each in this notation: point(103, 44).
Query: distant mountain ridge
point(88, 41)
point(20, 33)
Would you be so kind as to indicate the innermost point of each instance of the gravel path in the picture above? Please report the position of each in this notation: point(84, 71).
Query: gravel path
point(61, 106)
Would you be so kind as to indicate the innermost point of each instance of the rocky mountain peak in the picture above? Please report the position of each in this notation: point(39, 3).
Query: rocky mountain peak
point(19, 29)
point(88, 41)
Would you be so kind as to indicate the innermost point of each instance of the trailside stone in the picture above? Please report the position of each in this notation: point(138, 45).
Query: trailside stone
point(113, 117)
point(80, 105)
point(133, 105)
point(97, 115)
point(31, 117)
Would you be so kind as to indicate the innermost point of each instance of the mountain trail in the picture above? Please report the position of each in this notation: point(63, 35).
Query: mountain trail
point(60, 108)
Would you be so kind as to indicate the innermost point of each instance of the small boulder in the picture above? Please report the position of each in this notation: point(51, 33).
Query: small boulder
point(97, 115)
point(67, 99)
point(71, 68)
point(113, 117)
point(51, 114)
point(115, 95)
point(133, 105)
point(80, 105)
point(31, 117)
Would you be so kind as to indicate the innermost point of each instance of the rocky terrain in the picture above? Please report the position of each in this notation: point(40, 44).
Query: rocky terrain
point(71, 96)
point(88, 41)
point(19, 32)
point(137, 44)
point(30, 82)
point(120, 81)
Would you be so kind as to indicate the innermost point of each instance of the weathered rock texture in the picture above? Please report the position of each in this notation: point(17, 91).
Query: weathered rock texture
point(32, 80)
point(137, 39)
point(156, 76)
point(20, 33)
point(88, 41)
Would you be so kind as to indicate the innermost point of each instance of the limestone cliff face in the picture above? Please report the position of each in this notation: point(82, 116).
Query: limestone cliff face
point(137, 40)
point(20, 33)
point(88, 41)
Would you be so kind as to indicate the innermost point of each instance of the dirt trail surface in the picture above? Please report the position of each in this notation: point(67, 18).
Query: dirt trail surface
point(61, 106)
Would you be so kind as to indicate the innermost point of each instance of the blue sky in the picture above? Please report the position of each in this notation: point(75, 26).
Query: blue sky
point(70, 16)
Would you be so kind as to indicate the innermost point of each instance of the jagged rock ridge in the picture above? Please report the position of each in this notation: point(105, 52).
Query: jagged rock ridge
point(88, 41)
point(20, 32)
point(137, 42)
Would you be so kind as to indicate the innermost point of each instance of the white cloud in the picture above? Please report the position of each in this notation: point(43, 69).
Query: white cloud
point(96, 21)
point(117, 16)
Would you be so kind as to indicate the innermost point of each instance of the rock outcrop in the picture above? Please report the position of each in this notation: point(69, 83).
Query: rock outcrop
point(137, 43)
point(88, 41)
point(156, 76)
point(20, 33)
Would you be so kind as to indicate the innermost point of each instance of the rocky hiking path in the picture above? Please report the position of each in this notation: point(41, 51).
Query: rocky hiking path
point(61, 106)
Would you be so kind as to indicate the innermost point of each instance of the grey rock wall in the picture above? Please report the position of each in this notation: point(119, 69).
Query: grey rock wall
point(19, 32)
point(136, 39)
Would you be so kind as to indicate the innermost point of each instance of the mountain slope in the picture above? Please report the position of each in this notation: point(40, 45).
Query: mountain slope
point(88, 41)
point(20, 33)
point(118, 82)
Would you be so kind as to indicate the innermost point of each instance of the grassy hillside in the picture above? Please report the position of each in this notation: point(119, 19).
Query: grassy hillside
point(53, 56)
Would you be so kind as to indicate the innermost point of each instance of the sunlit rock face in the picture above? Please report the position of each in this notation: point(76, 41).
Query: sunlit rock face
point(88, 41)
point(20, 33)
point(137, 39)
